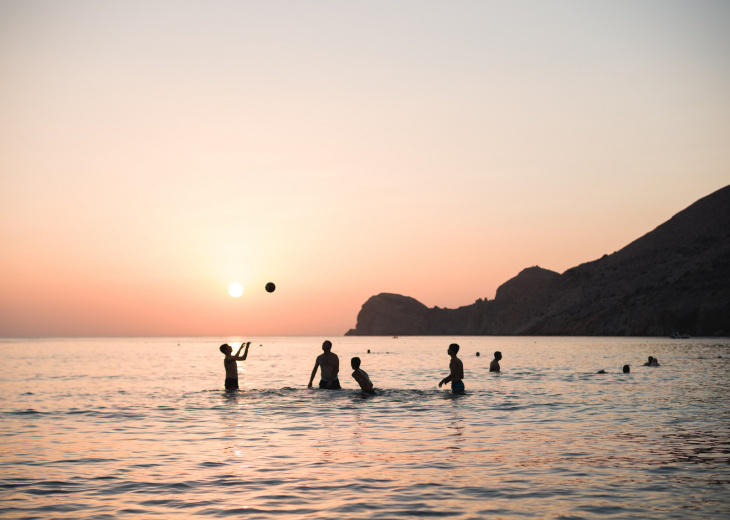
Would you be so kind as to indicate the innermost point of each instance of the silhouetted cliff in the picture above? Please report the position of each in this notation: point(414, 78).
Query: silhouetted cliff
point(675, 278)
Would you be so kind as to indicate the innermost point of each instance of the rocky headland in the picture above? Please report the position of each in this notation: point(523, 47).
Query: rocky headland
point(675, 278)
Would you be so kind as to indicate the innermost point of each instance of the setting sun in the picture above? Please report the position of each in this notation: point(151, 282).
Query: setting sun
point(235, 290)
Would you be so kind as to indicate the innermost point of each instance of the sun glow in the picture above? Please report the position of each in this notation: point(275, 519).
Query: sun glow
point(235, 290)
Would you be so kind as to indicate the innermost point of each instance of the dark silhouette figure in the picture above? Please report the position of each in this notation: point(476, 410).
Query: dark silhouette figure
point(456, 368)
point(653, 362)
point(361, 377)
point(330, 365)
point(229, 362)
point(494, 365)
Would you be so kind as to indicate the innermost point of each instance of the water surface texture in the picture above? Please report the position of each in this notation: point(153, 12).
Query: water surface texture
point(140, 428)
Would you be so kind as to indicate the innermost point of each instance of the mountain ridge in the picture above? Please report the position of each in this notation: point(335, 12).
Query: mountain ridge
point(673, 278)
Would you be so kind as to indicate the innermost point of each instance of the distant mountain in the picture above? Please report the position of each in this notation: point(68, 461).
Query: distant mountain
point(673, 279)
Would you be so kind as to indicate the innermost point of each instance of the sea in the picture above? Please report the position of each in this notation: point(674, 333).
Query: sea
point(142, 428)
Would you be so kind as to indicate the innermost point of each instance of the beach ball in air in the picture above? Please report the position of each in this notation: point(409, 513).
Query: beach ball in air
point(270, 287)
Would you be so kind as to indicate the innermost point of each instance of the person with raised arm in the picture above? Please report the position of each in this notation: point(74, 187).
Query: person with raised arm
point(231, 365)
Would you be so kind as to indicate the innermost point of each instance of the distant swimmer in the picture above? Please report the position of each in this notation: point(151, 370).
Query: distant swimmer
point(229, 362)
point(653, 362)
point(330, 365)
point(627, 369)
point(494, 365)
point(456, 368)
point(361, 377)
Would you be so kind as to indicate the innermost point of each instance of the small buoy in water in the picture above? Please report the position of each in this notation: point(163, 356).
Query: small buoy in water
point(368, 351)
point(477, 354)
point(627, 369)
point(270, 287)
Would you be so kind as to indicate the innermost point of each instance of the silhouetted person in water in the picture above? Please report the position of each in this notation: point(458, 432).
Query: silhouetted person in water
point(494, 365)
point(361, 377)
point(653, 362)
point(230, 364)
point(456, 368)
point(330, 365)
point(627, 369)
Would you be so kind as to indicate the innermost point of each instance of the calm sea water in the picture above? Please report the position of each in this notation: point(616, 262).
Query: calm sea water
point(141, 428)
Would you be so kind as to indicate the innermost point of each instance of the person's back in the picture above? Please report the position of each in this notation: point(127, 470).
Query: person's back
point(494, 365)
point(361, 377)
point(328, 361)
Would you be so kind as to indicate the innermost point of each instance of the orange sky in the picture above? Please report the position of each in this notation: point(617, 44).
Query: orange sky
point(155, 154)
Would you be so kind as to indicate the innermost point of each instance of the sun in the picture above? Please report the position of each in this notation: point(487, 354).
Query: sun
point(235, 290)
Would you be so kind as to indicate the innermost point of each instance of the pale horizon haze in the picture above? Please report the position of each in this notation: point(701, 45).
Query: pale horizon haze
point(154, 153)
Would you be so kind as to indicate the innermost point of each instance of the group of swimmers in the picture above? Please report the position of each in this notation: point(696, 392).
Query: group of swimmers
point(653, 362)
point(329, 365)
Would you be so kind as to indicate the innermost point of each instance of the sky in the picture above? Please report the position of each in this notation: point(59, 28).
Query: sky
point(156, 152)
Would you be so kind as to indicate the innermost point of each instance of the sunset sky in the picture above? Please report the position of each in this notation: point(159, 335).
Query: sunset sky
point(155, 152)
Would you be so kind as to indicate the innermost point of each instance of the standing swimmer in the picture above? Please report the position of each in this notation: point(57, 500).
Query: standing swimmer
point(330, 364)
point(456, 368)
point(230, 364)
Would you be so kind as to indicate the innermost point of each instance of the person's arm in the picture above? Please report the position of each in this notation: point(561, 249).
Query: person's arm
point(450, 376)
point(314, 371)
point(335, 371)
point(245, 353)
point(357, 376)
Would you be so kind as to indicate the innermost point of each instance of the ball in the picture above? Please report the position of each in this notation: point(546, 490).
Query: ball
point(270, 287)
